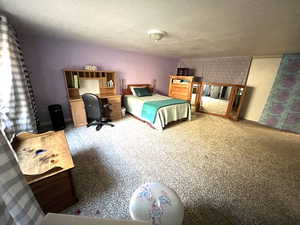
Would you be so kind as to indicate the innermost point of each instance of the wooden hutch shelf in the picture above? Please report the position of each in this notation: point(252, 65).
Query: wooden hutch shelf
point(104, 78)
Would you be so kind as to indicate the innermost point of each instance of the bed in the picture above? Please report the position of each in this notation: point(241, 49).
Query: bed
point(139, 107)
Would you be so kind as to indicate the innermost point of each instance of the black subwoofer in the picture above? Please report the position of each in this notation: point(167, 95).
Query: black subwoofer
point(57, 117)
point(183, 71)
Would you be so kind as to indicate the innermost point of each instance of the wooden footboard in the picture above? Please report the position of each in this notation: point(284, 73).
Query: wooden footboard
point(150, 125)
point(144, 121)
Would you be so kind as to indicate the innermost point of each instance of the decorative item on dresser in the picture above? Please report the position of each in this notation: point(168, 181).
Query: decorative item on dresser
point(101, 83)
point(183, 71)
point(90, 67)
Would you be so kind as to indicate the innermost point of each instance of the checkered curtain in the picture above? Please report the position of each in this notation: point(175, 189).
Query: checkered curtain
point(17, 105)
point(17, 203)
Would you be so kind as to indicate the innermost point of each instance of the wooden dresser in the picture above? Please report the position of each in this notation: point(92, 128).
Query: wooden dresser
point(106, 82)
point(181, 87)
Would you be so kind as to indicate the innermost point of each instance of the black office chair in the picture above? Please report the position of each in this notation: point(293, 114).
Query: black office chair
point(97, 111)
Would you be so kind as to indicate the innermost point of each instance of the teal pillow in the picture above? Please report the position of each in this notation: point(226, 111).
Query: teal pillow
point(141, 92)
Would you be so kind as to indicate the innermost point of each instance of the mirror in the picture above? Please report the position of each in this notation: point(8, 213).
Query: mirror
point(238, 94)
point(215, 99)
point(222, 99)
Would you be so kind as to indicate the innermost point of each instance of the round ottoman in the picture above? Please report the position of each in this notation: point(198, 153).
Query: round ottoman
point(158, 203)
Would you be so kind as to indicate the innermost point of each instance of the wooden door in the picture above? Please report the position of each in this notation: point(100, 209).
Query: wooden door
point(78, 113)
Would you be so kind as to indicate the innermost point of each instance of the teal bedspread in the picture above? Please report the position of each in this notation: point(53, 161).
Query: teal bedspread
point(150, 108)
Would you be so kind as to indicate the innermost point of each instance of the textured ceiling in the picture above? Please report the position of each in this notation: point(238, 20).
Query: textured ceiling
point(195, 28)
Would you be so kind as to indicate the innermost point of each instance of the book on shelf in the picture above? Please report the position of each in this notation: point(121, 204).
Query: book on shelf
point(110, 83)
point(76, 81)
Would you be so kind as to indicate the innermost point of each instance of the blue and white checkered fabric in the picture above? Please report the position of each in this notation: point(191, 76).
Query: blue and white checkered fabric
point(17, 203)
point(17, 105)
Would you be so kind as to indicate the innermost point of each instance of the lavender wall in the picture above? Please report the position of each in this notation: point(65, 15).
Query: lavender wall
point(47, 57)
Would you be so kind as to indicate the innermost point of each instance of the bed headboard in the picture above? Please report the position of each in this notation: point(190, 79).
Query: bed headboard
point(127, 91)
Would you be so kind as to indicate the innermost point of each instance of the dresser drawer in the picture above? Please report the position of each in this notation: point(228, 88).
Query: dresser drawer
point(116, 115)
point(116, 112)
point(114, 101)
point(115, 107)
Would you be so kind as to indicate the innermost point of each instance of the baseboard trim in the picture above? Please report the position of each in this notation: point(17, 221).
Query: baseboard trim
point(47, 126)
point(269, 127)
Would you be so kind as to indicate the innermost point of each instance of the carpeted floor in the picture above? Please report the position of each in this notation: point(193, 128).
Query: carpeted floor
point(225, 172)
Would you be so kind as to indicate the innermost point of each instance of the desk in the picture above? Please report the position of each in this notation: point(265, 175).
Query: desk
point(53, 189)
point(78, 110)
point(87, 81)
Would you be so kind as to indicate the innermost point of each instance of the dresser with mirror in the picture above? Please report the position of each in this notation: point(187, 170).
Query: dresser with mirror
point(222, 99)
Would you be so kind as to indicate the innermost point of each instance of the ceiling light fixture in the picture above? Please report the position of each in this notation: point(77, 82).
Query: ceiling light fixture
point(156, 35)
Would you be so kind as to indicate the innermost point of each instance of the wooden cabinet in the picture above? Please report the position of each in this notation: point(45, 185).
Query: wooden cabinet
point(78, 112)
point(55, 193)
point(115, 102)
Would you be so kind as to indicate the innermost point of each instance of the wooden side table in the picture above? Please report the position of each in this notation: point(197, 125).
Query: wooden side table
point(54, 189)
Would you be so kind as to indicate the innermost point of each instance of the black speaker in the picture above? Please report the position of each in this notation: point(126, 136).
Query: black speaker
point(183, 71)
point(57, 117)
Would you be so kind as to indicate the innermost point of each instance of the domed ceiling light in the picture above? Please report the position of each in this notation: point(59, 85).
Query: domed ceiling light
point(156, 35)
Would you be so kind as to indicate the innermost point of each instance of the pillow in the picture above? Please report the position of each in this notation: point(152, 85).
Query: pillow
point(141, 92)
point(132, 89)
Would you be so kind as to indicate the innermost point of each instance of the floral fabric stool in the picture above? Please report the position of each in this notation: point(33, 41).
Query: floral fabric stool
point(156, 203)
